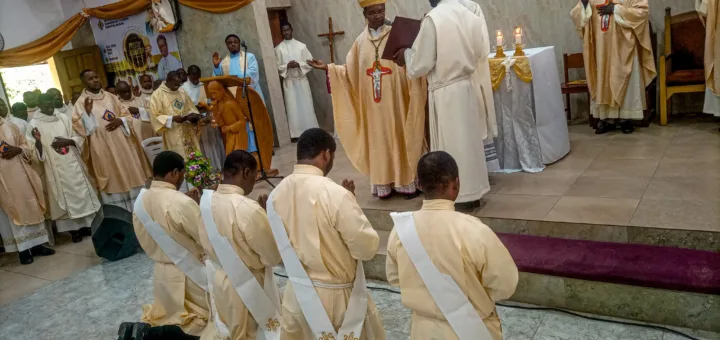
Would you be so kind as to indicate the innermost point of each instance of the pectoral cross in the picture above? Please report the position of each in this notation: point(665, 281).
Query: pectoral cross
point(330, 35)
point(377, 71)
point(604, 19)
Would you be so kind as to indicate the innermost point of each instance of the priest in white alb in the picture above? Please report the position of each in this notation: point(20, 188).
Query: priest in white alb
point(461, 249)
point(379, 113)
point(114, 157)
point(22, 205)
point(619, 61)
point(323, 236)
point(709, 11)
point(72, 199)
point(136, 106)
point(230, 215)
point(174, 116)
point(291, 58)
point(60, 105)
point(167, 224)
point(145, 87)
point(448, 49)
point(211, 141)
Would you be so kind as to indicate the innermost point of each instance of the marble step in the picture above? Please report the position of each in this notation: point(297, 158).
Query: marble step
point(683, 309)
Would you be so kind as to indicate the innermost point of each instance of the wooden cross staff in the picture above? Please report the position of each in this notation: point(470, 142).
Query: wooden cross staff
point(330, 35)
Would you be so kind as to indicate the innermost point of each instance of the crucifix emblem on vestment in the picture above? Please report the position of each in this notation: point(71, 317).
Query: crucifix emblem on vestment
point(604, 19)
point(377, 71)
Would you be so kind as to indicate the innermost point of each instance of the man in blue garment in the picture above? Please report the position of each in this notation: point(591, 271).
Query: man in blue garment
point(233, 64)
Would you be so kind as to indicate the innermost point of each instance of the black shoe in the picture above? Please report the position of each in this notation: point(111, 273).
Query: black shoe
point(125, 331)
point(85, 231)
point(41, 250)
point(26, 257)
point(627, 127)
point(603, 127)
point(414, 195)
point(467, 206)
point(76, 236)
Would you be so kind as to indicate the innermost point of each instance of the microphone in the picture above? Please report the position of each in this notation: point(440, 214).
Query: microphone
point(243, 44)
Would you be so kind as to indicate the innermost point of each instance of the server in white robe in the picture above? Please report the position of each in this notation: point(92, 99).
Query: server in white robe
point(291, 58)
point(448, 50)
point(468, 263)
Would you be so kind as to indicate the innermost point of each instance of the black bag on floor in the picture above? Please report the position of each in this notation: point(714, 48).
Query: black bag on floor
point(113, 235)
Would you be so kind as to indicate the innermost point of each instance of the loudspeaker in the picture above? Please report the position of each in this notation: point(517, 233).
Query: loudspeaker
point(113, 235)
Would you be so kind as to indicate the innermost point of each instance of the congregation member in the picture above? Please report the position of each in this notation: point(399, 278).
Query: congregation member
point(30, 99)
point(174, 116)
point(709, 11)
point(168, 63)
point(239, 242)
point(60, 105)
point(619, 60)
point(211, 141)
point(379, 113)
point(324, 237)
point(136, 106)
point(111, 89)
point(114, 159)
point(448, 50)
point(460, 247)
point(167, 225)
point(291, 58)
point(22, 205)
point(19, 109)
point(73, 201)
point(183, 75)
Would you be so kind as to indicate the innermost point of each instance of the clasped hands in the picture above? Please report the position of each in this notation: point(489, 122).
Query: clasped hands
point(192, 118)
point(607, 9)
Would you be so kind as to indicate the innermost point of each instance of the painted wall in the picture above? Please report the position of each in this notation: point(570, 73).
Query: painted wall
point(546, 22)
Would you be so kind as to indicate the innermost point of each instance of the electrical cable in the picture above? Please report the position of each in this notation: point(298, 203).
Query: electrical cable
point(626, 323)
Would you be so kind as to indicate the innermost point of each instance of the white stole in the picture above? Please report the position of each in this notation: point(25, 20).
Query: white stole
point(262, 302)
point(309, 300)
point(181, 257)
point(448, 296)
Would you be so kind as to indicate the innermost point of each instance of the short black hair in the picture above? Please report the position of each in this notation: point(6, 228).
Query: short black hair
point(436, 170)
point(314, 141)
point(230, 36)
point(82, 74)
point(52, 89)
point(161, 37)
point(19, 107)
point(285, 23)
point(46, 97)
point(110, 86)
point(193, 69)
point(145, 75)
point(29, 93)
point(167, 161)
point(172, 74)
point(237, 161)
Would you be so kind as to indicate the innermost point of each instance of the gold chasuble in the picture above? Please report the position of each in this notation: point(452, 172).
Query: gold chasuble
point(611, 44)
point(178, 137)
point(379, 113)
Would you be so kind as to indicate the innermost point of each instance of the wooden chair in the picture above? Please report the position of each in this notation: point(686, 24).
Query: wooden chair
point(682, 65)
point(573, 61)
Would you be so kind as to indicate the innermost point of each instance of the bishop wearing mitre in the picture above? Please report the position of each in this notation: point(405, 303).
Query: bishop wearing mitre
point(619, 61)
point(379, 112)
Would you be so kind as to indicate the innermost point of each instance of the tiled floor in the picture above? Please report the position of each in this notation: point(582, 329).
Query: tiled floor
point(92, 303)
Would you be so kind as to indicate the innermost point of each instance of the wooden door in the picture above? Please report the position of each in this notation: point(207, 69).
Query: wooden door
point(276, 18)
point(67, 65)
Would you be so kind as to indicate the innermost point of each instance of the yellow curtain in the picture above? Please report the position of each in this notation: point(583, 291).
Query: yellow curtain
point(44, 48)
point(216, 6)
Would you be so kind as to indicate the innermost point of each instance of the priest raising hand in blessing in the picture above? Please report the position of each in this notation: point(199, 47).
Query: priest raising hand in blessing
point(379, 113)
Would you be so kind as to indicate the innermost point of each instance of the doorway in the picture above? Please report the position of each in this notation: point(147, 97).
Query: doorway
point(276, 17)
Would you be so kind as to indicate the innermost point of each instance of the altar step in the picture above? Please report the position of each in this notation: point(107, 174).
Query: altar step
point(661, 276)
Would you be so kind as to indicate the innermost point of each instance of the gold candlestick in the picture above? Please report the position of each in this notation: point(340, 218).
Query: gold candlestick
point(518, 51)
point(499, 53)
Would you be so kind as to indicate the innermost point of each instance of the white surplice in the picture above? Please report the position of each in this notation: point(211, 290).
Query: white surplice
point(457, 110)
point(298, 98)
point(72, 198)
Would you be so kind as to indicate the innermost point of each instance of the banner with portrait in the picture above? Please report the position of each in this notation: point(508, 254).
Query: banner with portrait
point(133, 46)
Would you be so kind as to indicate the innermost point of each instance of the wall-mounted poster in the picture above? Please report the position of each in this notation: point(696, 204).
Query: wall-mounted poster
point(161, 16)
point(132, 46)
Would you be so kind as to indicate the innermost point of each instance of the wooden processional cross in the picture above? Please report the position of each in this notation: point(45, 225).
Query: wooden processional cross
point(330, 35)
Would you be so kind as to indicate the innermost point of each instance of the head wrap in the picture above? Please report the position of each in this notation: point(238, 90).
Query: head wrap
point(366, 3)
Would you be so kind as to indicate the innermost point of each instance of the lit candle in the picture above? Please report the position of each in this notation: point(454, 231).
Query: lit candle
point(518, 35)
point(499, 38)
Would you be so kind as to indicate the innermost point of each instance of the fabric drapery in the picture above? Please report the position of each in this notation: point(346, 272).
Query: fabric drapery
point(498, 70)
point(45, 47)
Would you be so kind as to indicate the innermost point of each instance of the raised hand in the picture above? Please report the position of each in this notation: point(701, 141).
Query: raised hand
point(11, 152)
point(262, 200)
point(114, 124)
point(317, 64)
point(36, 134)
point(349, 185)
point(88, 104)
point(194, 193)
point(216, 59)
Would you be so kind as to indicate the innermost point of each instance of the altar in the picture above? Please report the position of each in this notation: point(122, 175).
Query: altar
point(532, 130)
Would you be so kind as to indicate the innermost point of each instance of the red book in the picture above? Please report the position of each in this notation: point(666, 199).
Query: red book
point(403, 34)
